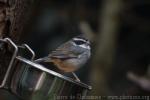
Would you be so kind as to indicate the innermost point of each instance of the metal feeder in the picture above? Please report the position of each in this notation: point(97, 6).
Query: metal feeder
point(32, 81)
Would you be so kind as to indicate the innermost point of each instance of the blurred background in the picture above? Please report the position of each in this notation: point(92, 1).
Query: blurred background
point(119, 33)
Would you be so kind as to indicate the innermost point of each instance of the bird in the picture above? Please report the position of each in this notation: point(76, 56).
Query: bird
point(71, 55)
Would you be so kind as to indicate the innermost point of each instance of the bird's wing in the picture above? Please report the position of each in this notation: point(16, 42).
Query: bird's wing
point(63, 52)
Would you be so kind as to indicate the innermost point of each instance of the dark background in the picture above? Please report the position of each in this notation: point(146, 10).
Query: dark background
point(55, 21)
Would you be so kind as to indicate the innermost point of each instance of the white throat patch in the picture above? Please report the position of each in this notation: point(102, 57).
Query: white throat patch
point(85, 46)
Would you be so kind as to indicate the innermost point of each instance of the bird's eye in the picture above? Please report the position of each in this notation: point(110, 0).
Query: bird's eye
point(79, 42)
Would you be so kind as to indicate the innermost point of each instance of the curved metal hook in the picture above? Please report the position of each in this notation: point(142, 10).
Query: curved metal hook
point(8, 40)
point(30, 50)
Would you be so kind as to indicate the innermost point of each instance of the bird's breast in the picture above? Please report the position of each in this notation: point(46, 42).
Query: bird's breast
point(65, 65)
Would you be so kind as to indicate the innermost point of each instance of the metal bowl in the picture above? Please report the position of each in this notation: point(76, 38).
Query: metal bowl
point(33, 81)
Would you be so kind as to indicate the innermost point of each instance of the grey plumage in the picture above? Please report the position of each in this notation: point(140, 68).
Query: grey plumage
point(71, 55)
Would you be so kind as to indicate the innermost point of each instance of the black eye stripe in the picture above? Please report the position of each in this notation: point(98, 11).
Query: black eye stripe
point(79, 42)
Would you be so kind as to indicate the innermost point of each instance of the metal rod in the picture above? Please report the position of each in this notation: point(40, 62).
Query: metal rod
point(76, 77)
point(31, 51)
point(11, 62)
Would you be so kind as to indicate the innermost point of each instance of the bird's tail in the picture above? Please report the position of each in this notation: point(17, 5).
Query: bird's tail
point(44, 59)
